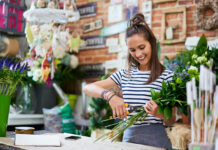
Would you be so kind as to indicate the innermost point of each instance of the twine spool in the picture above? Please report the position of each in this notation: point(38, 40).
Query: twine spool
point(11, 48)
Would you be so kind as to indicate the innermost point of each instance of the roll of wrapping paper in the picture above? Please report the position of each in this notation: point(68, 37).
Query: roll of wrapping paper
point(12, 47)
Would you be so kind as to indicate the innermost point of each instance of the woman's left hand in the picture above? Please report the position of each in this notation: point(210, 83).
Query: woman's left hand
point(151, 107)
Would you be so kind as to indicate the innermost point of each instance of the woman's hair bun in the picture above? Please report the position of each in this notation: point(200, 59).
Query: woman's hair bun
point(137, 19)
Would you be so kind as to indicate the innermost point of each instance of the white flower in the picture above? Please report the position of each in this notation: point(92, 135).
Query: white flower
point(194, 56)
point(193, 68)
point(29, 73)
point(37, 74)
point(35, 78)
point(59, 52)
point(74, 62)
point(201, 59)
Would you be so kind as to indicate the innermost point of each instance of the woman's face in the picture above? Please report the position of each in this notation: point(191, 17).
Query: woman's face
point(140, 50)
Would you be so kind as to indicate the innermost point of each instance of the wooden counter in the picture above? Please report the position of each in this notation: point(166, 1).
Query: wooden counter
point(85, 143)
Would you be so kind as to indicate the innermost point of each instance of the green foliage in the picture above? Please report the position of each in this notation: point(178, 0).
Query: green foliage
point(12, 72)
point(185, 65)
point(67, 77)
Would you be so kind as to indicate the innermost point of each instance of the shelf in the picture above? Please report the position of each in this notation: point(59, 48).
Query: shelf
point(47, 15)
point(25, 119)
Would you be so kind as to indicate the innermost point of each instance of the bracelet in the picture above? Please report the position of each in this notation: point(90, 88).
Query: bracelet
point(103, 93)
point(111, 97)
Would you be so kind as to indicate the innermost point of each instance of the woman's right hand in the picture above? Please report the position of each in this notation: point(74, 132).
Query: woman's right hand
point(118, 107)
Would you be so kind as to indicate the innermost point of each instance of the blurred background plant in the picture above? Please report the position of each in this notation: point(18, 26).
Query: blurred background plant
point(12, 72)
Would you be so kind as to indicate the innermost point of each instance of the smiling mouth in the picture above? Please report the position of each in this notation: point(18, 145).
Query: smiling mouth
point(141, 58)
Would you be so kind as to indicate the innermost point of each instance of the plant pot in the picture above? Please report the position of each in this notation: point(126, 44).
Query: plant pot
point(5, 101)
point(45, 97)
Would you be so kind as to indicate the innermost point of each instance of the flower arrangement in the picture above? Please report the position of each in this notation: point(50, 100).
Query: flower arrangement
point(173, 94)
point(35, 73)
point(12, 71)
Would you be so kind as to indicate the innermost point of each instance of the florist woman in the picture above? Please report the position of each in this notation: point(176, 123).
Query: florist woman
point(144, 72)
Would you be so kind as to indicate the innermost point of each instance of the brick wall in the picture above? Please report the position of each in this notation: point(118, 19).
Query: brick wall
point(100, 55)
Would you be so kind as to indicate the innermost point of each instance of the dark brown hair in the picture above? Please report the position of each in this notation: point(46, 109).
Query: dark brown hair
point(137, 25)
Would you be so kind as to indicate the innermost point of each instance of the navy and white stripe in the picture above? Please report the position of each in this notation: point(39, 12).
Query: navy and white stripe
point(136, 92)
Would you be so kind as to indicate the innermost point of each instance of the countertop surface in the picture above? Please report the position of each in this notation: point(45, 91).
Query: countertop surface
point(84, 143)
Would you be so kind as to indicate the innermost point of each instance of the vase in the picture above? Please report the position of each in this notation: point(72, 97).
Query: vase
point(5, 101)
point(44, 96)
point(24, 101)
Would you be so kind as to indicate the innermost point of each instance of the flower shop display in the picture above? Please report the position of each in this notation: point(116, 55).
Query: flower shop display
point(49, 39)
point(204, 108)
point(12, 72)
point(186, 66)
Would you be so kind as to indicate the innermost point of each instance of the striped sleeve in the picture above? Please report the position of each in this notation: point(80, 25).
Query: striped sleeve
point(117, 77)
point(169, 76)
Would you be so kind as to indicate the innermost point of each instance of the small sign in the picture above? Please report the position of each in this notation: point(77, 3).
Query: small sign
point(87, 10)
point(93, 42)
point(115, 13)
point(93, 70)
point(114, 29)
point(92, 26)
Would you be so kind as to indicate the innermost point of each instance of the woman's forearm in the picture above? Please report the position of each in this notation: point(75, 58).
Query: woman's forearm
point(93, 90)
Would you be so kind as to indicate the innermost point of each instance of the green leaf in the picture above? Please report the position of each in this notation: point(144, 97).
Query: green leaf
point(160, 109)
point(167, 113)
point(164, 85)
point(153, 94)
point(202, 43)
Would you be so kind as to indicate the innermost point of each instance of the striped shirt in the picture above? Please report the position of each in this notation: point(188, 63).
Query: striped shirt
point(136, 92)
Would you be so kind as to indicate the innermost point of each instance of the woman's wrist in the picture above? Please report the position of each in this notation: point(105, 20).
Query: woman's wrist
point(107, 95)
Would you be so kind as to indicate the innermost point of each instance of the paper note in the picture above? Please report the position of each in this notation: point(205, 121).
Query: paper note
point(115, 13)
point(37, 140)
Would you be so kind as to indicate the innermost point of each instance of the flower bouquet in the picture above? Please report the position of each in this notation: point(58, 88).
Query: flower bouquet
point(12, 71)
point(186, 65)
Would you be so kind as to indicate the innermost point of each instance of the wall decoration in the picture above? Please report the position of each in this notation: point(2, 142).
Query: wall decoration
point(93, 42)
point(113, 44)
point(114, 29)
point(115, 13)
point(163, 27)
point(207, 23)
point(147, 12)
point(74, 43)
point(131, 8)
point(93, 70)
point(162, 1)
point(112, 64)
point(87, 10)
point(92, 26)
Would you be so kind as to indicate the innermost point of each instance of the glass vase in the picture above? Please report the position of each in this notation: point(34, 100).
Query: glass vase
point(24, 102)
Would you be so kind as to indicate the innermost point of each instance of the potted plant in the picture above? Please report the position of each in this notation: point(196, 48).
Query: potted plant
point(12, 72)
